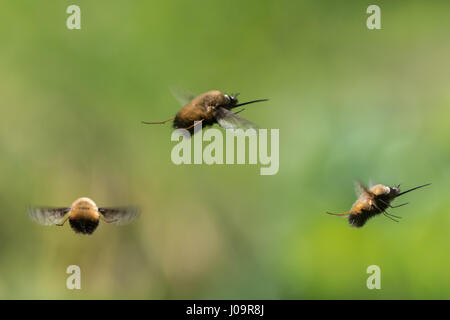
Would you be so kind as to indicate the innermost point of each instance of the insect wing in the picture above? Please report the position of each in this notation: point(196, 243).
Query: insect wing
point(360, 188)
point(230, 120)
point(183, 96)
point(119, 216)
point(47, 216)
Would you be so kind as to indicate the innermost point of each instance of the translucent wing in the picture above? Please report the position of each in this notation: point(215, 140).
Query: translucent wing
point(360, 188)
point(183, 96)
point(47, 216)
point(230, 120)
point(119, 216)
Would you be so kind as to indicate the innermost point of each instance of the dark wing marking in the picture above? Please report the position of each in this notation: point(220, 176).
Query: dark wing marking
point(47, 216)
point(360, 188)
point(229, 120)
point(119, 216)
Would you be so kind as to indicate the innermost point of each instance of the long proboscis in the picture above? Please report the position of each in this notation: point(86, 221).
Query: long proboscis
point(412, 189)
point(253, 101)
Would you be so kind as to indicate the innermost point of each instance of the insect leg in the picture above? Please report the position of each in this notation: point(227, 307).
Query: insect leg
point(339, 214)
point(158, 122)
point(389, 205)
point(61, 224)
point(400, 205)
point(391, 215)
point(378, 208)
point(107, 221)
point(387, 215)
point(195, 124)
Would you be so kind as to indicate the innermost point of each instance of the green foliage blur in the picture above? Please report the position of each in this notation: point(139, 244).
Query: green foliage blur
point(350, 103)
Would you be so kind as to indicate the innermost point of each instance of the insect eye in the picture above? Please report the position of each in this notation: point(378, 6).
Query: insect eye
point(228, 97)
point(393, 190)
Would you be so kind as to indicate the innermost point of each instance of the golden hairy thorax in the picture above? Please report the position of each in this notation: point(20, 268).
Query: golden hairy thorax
point(84, 208)
point(211, 98)
point(379, 190)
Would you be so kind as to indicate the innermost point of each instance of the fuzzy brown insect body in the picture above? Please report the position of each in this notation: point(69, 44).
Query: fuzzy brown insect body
point(202, 108)
point(84, 216)
point(373, 202)
point(209, 108)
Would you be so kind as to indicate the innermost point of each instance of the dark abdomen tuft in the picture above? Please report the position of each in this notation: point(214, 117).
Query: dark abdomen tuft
point(357, 220)
point(84, 226)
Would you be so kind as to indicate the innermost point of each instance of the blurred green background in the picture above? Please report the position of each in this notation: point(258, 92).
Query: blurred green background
point(350, 103)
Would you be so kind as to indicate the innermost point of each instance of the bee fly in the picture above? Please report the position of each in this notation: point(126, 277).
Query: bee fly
point(84, 215)
point(209, 108)
point(372, 202)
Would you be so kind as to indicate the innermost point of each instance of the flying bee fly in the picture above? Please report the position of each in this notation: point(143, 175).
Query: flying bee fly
point(374, 201)
point(84, 215)
point(209, 108)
